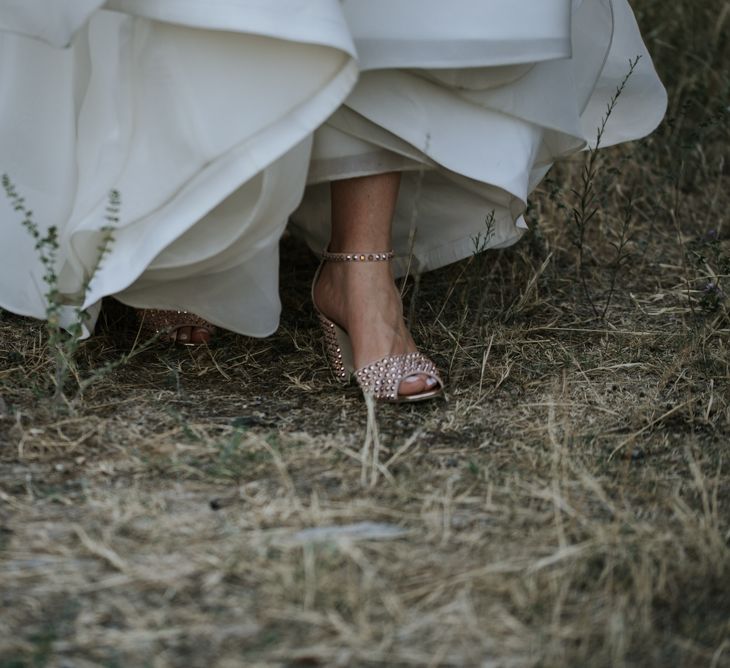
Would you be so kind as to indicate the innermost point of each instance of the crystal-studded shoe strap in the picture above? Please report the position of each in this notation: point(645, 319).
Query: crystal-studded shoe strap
point(383, 378)
point(333, 350)
point(357, 257)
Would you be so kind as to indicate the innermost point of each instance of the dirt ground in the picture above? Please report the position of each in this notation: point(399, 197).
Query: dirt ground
point(568, 504)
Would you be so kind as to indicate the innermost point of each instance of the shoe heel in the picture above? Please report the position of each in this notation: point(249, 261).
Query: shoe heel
point(338, 349)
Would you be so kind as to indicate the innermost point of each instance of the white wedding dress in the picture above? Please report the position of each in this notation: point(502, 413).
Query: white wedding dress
point(219, 121)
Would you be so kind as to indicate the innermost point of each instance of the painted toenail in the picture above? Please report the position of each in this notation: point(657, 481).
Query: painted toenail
point(431, 382)
point(411, 379)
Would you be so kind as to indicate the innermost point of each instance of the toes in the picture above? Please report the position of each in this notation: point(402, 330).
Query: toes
point(182, 334)
point(414, 384)
point(199, 335)
point(417, 383)
point(189, 334)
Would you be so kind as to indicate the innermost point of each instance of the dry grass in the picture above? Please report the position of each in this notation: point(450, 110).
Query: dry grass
point(568, 506)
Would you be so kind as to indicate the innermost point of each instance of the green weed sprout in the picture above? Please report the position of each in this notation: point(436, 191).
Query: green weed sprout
point(63, 343)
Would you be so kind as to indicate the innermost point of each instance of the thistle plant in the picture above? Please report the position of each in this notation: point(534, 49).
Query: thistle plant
point(477, 277)
point(621, 256)
point(47, 248)
point(588, 205)
point(480, 258)
point(64, 342)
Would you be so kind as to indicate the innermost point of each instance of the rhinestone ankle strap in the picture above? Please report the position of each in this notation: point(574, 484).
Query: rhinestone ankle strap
point(357, 257)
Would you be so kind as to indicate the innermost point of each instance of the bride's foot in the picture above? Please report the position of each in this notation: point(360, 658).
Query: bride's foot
point(191, 335)
point(362, 298)
point(176, 326)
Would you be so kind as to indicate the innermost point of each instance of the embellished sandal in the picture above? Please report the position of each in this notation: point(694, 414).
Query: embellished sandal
point(381, 378)
point(169, 323)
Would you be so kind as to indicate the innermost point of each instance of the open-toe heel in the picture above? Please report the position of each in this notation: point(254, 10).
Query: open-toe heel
point(381, 378)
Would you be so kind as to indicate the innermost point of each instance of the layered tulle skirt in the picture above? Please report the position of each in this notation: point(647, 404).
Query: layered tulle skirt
point(219, 122)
